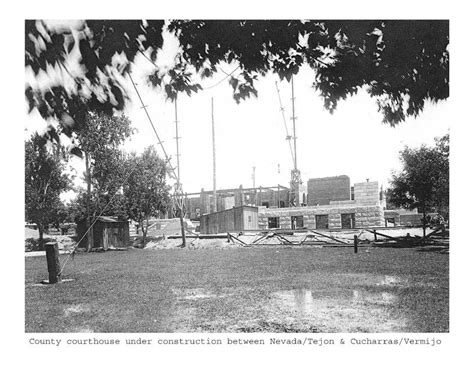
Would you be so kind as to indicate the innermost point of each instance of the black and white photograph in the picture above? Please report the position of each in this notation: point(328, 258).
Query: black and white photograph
point(241, 181)
point(199, 176)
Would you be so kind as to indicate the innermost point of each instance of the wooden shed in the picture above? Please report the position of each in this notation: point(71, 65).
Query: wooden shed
point(108, 232)
point(231, 220)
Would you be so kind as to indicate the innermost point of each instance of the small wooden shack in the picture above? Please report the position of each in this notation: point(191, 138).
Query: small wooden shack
point(237, 219)
point(108, 232)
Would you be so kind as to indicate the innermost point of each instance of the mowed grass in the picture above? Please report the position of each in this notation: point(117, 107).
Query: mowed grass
point(269, 289)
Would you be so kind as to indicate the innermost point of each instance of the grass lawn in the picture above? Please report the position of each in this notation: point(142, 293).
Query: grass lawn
point(269, 289)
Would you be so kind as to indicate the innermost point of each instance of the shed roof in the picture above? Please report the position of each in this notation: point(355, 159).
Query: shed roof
point(108, 219)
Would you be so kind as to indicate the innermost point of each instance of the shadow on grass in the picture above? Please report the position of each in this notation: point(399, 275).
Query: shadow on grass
point(438, 249)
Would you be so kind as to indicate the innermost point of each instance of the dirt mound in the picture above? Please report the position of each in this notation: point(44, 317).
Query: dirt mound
point(65, 243)
point(194, 243)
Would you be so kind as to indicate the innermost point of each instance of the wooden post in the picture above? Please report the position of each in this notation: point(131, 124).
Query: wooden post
point(52, 258)
point(214, 193)
point(375, 235)
point(356, 242)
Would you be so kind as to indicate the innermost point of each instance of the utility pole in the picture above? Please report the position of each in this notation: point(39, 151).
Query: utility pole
point(179, 188)
point(254, 186)
point(253, 177)
point(177, 138)
point(214, 203)
point(178, 191)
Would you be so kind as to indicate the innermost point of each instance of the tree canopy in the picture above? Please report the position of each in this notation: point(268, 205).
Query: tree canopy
point(401, 63)
point(423, 181)
point(45, 180)
point(145, 191)
point(100, 139)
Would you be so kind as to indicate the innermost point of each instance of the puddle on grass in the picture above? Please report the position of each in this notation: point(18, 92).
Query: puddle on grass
point(304, 302)
point(76, 309)
point(349, 311)
point(389, 280)
point(382, 298)
point(300, 300)
point(299, 310)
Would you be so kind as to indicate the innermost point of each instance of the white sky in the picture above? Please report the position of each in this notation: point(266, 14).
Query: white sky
point(352, 141)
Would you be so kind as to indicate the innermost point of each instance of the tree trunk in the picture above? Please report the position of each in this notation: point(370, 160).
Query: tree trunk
point(41, 238)
point(144, 231)
point(90, 232)
point(424, 226)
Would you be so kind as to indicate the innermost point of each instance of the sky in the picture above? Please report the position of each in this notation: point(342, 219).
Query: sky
point(352, 141)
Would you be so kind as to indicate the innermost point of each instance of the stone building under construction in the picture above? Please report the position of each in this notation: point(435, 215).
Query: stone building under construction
point(198, 204)
point(331, 203)
point(361, 209)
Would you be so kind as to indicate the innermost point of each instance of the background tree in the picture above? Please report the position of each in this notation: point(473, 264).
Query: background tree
point(442, 188)
point(423, 182)
point(146, 193)
point(45, 180)
point(401, 63)
point(99, 139)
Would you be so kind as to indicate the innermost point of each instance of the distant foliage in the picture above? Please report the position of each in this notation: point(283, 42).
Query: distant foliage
point(45, 180)
point(146, 192)
point(402, 63)
point(99, 141)
point(423, 182)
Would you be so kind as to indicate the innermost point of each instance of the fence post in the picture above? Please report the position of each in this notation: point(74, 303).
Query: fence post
point(356, 242)
point(52, 259)
point(375, 235)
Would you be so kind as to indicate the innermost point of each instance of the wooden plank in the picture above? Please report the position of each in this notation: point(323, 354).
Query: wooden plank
point(330, 237)
point(284, 239)
point(193, 233)
point(204, 236)
point(419, 239)
point(233, 237)
point(261, 238)
point(380, 234)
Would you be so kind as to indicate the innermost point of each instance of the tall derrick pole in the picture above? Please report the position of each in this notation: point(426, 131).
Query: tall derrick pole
point(253, 185)
point(177, 138)
point(295, 173)
point(293, 117)
point(214, 203)
point(179, 188)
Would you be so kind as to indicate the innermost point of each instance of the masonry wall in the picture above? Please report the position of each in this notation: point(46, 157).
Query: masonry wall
point(323, 190)
point(365, 215)
point(367, 192)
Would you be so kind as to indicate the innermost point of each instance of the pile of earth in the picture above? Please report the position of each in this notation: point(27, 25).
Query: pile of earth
point(191, 243)
point(65, 243)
